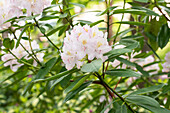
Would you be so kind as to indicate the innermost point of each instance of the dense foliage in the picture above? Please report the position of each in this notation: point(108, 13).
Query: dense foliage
point(54, 61)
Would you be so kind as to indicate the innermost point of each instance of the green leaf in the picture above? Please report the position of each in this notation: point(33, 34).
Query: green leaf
point(132, 11)
point(147, 90)
point(63, 15)
point(63, 29)
point(95, 23)
point(163, 36)
point(76, 4)
point(108, 106)
point(105, 11)
point(143, 1)
point(140, 69)
point(147, 103)
point(148, 11)
point(54, 31)
point(20, 36)
point(42, 30)
point(46, 68)
point(7, 43)
point(123, 73)
point(116, 52)
point(56, 76)
point(85, 21)
point(73, 93)
point(49, 17)
point(125, 61)
point(94, 66)
point(133, 23)
point(57, 81)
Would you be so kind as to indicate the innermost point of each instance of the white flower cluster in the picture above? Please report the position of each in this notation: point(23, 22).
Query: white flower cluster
point(13, 8)
point(84, 43)
point(8, 10)
point(32, 6)
point(19, 52)
point(166, 65)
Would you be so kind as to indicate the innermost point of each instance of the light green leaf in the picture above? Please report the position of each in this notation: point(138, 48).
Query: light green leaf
point(94, 66)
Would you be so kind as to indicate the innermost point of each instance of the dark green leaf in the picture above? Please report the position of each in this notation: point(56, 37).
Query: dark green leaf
point(132, 11)
point(163, 36)
point(7, 43)
point(46, 68)
point(73, 93)
point(54, 31)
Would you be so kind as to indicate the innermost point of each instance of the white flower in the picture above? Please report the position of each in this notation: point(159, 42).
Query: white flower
point(84, 43)
point(8, 10)
point(166, 65)
point(19, 52)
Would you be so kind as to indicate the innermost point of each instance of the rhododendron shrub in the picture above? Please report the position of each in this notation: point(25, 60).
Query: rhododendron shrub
point(55, 59)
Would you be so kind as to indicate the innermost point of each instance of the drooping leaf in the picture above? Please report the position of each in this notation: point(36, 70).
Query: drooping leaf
point(133, 23)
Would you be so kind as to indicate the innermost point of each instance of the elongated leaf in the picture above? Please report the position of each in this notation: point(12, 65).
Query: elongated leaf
point(56, 76)
point(49, 17)
point(140, 69)
point(132, 11)
point(133, 23)
point(123, 73)
point(148, 11)
point(76, 4)
point(94, 66)
point(95, 23)
point(57, 81)
point(68, 89)
point(54, 31)
point(147, 103)
point(163, 36)
point(46, 68)
point(143, 1)
point(147, 90)
point(73, 93)
point(125, 61)
point(116, 52)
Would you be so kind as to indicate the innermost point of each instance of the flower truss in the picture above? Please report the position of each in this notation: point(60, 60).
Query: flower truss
point(20, 52)
point(14, 8)
point(84, 43)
